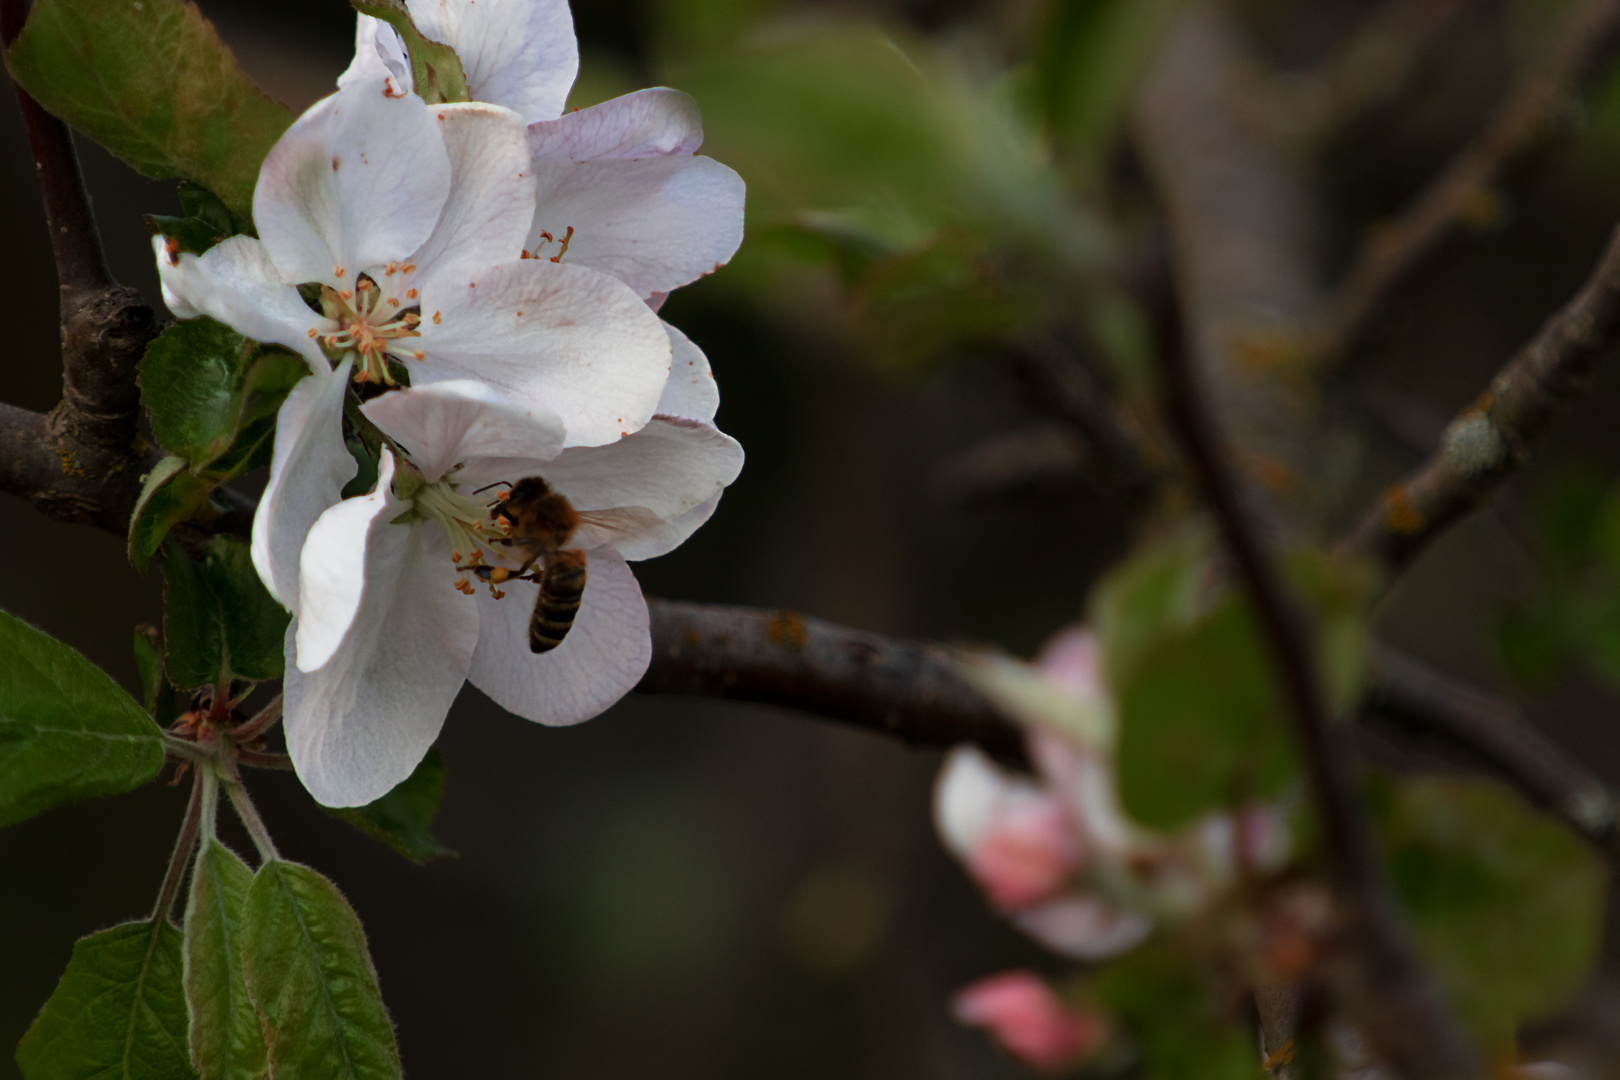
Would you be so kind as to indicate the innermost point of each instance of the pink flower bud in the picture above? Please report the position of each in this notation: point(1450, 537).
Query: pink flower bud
point(1023, 1014)
point(1026, 854)
point(1072, 659)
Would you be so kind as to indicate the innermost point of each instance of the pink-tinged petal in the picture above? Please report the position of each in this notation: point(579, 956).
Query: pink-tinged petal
point(491, 201)
point(551, 337)
point(356, 182)
point(1030, 1022)
point(648, 123)
point(1072, 659)
point(308, 468)
point(691, 391)
point(654, 223)
point(236, 283)
point(668, 467)
point(448, 423)
point(604, 655)
point(1085, 782)
point(379, 54)
point(1027, 854)
point(1084, 927)
point(362, 722)
point(656, 300)
point(520, 53)
point(970, 794)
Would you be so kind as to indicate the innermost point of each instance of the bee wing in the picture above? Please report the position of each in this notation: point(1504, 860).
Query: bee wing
point(599, 527)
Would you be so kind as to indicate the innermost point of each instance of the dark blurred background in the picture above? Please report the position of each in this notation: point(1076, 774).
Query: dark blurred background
point(683, 888)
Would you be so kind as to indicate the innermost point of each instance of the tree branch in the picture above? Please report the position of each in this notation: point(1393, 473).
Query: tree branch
point(907, 689)
point(1530, 116)
point(1491, 439)
point(1495, 736)
point(1393, 999)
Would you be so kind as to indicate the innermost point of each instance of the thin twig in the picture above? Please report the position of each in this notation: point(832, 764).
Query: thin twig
point(1391, 996)
point(907, 689)
point(1494, 734)
point(1491, 439)
point(1532, 113)
point(1378, 58)
point(182, 853)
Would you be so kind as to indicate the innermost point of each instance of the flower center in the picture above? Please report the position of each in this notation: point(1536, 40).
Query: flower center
point(370, 318)
point(465, 519)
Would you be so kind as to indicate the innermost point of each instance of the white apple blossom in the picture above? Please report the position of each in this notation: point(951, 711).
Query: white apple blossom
point(409, 222)
point(388, 622)
point(620, 185)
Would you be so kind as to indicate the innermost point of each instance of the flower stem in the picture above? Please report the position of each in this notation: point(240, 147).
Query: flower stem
point(182, 852)
point(261, 722)
point(252, 821)
point(185, 750)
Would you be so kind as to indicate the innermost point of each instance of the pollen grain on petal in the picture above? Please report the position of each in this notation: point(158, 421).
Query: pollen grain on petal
point(436, 319)
point(410, 294)
point(338, 271)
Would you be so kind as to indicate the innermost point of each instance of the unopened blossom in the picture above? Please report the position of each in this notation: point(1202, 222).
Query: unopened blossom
point(1030, 1022)
point(1056, 852)
point(620, 185)
point(391, 617)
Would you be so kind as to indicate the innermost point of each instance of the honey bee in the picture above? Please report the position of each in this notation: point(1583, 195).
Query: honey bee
point(540, 523)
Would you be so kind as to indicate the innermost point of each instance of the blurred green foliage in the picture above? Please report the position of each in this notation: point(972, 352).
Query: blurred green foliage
point(1507, 904)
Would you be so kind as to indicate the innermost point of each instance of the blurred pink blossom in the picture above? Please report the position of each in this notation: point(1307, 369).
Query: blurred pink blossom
point(1030, 1022)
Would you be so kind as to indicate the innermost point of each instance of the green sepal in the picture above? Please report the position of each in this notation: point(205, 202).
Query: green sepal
point(152, 82)
point(311, 980)
point(67, 731)
point(226, 1041)
point(118, 1013)
point(403, 818)
point(435, 67)
point(218, 619)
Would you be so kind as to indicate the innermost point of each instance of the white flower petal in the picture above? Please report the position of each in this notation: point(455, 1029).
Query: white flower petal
point(518, 53)
point(308, 469)
point(691, 391)
point(551, 337)
point(491, 201)
point(356, 182)
point(667, 535)
point(463, 420)
point(654, 223)
point(668, 467)
point(647, 123)
point(604, 655)
point(348, 542)
point(361, 723)
point(236, 283)
point(378, 54)
point(969, 795)
point(1084, 927)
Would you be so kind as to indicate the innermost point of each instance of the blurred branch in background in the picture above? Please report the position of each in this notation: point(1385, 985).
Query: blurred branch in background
point(1535, 112)
point(1388, 992)
point(1491, 439)
point(1494, 735)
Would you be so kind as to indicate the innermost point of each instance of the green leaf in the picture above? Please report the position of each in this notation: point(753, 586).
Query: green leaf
point(1200, 722)
point(149, 666)
point(152, 82)
point(403, 818)
point(1176, 1014)
point(218, 617)
point(1506, 903)
point(1138, 599)
point(67, 731)
point(207, 220)
point(202, 383)
point(119, 1012)
point(434, 66)
point(226, 1041)
point(169, 496)
point(311, 980)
